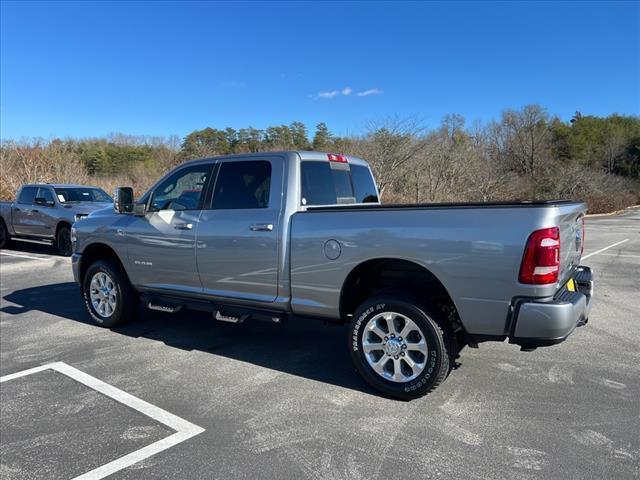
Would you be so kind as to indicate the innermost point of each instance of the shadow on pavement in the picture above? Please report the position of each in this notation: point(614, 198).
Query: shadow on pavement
point(28, 247)
point(306, 348)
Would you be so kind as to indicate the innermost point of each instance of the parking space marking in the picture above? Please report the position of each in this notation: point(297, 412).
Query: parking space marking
point(184, 429)
point(604, 249)
point(22, 255)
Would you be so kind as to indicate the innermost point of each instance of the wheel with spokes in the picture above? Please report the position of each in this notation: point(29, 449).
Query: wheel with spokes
point(103, 294)
point(399, 348)
point(108, 295)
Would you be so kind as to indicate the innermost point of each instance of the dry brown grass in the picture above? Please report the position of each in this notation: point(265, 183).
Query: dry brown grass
point(436, 174)
point(57, 163)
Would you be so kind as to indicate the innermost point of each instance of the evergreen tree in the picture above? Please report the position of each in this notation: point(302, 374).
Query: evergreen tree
point(299, 135)
point(323, 139)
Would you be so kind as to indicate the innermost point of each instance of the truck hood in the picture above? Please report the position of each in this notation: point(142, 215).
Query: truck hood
point(86, 207)
point(103, 211)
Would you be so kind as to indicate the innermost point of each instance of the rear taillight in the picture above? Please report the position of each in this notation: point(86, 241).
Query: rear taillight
point(541, 261)
point(336, 158)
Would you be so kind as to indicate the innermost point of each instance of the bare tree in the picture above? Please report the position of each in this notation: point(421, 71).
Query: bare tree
point(388, 145)
point(522, 139)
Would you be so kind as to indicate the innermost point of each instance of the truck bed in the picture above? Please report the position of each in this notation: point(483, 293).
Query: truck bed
point(438, 206)
point(474, 250)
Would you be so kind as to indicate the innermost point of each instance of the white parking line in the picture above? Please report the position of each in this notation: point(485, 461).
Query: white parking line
point(22, 255)
point(619, 255)
point(184, 429)
point(605, 248)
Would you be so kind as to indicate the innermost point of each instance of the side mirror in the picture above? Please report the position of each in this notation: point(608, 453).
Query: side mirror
point(123, 200)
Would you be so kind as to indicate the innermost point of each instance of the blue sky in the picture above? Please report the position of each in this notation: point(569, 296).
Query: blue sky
point(88, 69)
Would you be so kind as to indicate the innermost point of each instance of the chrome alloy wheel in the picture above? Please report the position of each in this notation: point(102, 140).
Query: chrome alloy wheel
point(103, 294)
point(394, 347)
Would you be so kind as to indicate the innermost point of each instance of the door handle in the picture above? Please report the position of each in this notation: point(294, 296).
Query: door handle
point(183, 226)
point(34, 211)
point(261, 227)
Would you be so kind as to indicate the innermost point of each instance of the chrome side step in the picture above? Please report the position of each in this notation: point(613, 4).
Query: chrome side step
point(29, 240)
point(163, 307)
point(230, 318)
point(222, 313)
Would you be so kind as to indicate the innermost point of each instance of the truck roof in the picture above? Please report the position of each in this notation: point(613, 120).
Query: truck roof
point(59, 185)
point(289, 155)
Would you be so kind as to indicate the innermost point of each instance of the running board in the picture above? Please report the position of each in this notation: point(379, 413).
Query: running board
point(237, 317)
point(223, 313)
point(29, 240)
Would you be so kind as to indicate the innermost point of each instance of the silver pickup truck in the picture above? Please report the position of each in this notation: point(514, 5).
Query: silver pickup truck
point(292, 235)
point(44, 213)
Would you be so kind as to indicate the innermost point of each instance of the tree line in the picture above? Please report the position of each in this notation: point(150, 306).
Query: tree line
point(525, 154)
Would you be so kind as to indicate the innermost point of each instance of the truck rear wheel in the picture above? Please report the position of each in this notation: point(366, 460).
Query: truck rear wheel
point(109, 297)
point(399, 347)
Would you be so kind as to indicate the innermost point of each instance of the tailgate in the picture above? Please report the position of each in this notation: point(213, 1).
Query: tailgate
point(571, 224)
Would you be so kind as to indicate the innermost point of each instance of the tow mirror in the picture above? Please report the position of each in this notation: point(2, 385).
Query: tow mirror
point(123, 200)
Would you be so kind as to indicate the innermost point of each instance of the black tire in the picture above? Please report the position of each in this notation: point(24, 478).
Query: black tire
point(63, 241)
point(5, 238)
point(438, 357)
point(127, 299)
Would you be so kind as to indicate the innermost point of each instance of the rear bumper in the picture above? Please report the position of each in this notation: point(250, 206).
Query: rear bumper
point(538, 324)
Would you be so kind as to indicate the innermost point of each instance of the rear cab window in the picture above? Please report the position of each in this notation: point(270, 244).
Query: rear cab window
point(331, 183)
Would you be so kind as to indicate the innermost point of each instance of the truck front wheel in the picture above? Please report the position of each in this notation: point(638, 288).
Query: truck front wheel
point(109, 297)
point(4, 235)
point(399, 347)
point(63, 241)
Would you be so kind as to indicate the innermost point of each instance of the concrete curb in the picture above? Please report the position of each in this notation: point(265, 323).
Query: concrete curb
point(617, 212)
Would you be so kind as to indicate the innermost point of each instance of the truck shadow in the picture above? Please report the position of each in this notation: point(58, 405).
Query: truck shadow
point(26, 247)
point(306, 348)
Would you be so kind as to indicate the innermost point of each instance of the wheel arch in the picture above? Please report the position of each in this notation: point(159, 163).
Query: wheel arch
point(389, 275)
point(98, 251)
point(62, 223)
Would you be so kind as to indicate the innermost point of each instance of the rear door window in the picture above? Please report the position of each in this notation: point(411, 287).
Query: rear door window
point(243, 185)
point(27, 195)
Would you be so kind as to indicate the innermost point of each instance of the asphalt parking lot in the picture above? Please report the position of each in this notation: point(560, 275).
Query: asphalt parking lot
point(263, 401)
